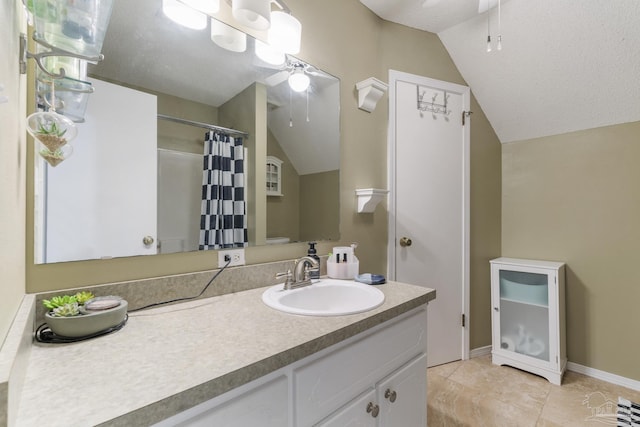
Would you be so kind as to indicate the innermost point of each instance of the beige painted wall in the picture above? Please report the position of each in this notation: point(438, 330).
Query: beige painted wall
point(350, 42)
point(179, 137)
point(319, 209)
point(283, 212)
point(12, 165)
point(576, 198)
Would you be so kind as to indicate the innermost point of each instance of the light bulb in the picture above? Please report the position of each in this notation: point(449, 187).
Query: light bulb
point(184, 15)
point(206, 6)
point(299, 81)
point(500, 42)
point(285, 33)
point(228, 37)
point(254, 14)
point(269, 54)
point(488, 43)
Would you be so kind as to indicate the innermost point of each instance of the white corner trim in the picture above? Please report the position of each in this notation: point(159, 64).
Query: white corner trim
point(480, 351)
point(604, 376)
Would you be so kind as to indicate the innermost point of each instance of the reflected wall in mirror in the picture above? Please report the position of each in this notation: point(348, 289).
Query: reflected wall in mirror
point(134, 179)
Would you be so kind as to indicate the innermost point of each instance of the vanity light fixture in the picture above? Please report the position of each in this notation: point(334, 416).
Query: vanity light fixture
point(228, 37)
point(254, 14)
point(205, 6)
point(285, 32)
point(269, 54)
point(298, 80)
point(184, 15)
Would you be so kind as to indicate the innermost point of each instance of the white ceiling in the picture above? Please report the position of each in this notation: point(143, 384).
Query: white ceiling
point(565, 65)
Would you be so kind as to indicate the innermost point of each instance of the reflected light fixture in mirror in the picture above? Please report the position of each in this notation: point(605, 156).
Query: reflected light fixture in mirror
point(269, 54)
point(228, 37)
point(206, 6)
point(298, 80)
point(285, 33)
point(184, 15)
point(254, 14)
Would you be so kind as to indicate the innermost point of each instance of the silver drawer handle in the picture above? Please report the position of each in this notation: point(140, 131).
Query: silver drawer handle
point(391, 395)
point(373, 409)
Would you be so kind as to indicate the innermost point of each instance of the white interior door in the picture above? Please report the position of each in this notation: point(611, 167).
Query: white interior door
point(429, 176)
point(101, 202)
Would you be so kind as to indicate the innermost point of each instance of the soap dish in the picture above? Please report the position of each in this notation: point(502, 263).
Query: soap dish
point(371, 279)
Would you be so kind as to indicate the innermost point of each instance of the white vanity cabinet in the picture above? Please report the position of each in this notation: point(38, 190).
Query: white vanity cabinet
point(528, 316)
point(377, 378)
point(329, 385)
point(264, 402)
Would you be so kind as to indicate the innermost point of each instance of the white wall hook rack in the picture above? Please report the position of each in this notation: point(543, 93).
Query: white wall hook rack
point(368, 199)
point(369, 93)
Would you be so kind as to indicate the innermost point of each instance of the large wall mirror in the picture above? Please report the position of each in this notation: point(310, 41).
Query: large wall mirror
point(133, 185)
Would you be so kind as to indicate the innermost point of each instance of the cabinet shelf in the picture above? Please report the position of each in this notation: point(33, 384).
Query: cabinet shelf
point(517, 301)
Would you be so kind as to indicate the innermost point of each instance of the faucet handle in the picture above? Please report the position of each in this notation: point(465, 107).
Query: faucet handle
point(289, 278)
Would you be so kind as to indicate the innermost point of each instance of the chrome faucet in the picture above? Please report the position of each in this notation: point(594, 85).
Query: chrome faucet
point(300, 276)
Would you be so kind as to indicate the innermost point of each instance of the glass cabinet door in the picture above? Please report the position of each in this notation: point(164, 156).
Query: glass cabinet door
point(524, 313)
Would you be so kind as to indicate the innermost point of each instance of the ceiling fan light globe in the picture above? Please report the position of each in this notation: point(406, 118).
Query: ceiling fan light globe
point(254, 14)
point(285, 32)
point(299, 81)
point(184, 15)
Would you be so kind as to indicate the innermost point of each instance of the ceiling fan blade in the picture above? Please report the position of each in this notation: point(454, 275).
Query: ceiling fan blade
point(277, 78)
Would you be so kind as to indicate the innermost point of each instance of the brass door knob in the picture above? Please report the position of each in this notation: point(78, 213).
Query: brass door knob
point(405, 241)
point(147, 240)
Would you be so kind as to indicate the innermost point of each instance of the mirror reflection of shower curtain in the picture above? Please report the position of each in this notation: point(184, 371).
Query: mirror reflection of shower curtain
point(223, 220)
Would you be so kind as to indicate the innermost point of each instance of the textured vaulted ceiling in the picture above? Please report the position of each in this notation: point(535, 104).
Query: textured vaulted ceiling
point(565, 65)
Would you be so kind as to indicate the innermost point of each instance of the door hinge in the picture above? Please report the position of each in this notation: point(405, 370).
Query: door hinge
point(464, 320)
point(466, 114)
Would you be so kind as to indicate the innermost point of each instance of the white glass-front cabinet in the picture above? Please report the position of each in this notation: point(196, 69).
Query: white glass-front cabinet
point(528, 316)
point(274, 176)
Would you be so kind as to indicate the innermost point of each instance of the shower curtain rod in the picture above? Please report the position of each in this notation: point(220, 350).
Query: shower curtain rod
point(203, 125)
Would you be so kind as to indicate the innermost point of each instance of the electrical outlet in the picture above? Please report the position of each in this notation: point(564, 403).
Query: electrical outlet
point(236, 255)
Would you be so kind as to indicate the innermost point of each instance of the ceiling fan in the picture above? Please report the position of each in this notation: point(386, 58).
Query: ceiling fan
point(297, 73)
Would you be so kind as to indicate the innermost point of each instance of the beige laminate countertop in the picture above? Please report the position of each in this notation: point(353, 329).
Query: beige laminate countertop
point(168, 359)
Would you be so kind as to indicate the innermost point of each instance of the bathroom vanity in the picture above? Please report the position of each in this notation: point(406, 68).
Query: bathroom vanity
point(231, 360)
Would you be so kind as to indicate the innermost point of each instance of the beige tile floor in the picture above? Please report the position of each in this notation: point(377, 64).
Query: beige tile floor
point(477, 393)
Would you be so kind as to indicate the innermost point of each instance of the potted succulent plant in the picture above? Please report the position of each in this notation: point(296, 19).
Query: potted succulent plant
point(55, 157)
point(83, 314)
point(51, 135)
point(53, 131)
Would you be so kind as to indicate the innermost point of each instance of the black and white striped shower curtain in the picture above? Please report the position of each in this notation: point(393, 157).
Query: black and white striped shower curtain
point(223, 219)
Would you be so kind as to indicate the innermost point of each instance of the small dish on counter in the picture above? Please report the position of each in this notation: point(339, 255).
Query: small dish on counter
point(89, 322)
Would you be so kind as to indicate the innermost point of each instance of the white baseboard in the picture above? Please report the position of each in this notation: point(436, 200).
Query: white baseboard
point(480, 351)
point(604, 376)
point(580, 369)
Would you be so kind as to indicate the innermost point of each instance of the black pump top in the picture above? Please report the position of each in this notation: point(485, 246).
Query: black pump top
point(312, 248)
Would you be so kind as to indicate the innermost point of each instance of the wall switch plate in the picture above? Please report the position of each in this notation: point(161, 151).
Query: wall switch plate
point(236, 255)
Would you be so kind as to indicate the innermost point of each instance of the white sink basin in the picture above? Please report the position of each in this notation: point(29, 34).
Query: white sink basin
point(328, 297)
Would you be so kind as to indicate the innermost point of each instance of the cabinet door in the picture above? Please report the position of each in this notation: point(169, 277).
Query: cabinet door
point(362, 411)
point(524, 313)
point(265, 406)
point(403, 396)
